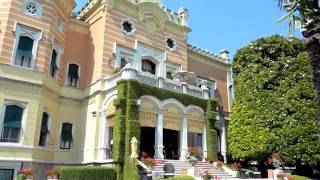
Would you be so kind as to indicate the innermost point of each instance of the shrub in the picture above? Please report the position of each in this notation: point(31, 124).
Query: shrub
point(21, 177)
point(181, 178)
point(87, 173)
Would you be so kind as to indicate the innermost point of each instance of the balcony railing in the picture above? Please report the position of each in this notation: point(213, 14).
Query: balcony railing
point(152, 80)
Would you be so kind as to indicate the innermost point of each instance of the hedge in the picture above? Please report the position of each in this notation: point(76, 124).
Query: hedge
point(21, 177)
point(181, 178)
point(295, 177)
point(87, 173)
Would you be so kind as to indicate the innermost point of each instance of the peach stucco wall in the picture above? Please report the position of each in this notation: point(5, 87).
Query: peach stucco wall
point(207, 68)
point(11, 12)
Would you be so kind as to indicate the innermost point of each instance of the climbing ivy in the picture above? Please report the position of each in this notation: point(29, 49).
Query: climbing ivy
point(126, 122)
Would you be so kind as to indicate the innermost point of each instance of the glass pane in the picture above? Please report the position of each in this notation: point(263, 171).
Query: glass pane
point(10, 134)
point(66, 136)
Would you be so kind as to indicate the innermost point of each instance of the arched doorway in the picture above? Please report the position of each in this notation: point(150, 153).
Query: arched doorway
point(147, 118)
point(171, 131)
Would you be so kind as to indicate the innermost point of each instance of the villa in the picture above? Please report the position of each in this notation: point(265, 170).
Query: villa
point(73, 86)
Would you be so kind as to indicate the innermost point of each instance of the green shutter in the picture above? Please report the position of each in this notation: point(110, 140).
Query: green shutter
point(13, 116)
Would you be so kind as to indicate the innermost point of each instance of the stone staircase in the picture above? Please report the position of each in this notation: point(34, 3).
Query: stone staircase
point(200, 167)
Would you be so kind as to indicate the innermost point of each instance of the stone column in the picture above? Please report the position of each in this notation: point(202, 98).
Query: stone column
point(184, 138)
point(184, 87)
point(158, 147)
point(204, 142)
point(224, 141)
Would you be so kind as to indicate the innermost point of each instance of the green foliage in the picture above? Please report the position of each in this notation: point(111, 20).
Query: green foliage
point(21, 177)
point(295, 177)
point(181, 178)
point(211, 147)
point(275, 104)
point(87, 173)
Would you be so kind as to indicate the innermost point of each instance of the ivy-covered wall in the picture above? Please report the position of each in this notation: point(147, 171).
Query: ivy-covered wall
point(126, 122)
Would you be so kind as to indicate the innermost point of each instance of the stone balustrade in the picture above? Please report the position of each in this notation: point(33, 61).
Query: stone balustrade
point(128, 73)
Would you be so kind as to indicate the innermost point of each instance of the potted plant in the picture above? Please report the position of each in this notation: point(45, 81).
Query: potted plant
point(27, 173)
point(206, 176)
point(195, 152)
point(150, 162)
point(53, 174)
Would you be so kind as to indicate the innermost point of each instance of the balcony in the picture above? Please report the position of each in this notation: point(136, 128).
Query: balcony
point(128, 73)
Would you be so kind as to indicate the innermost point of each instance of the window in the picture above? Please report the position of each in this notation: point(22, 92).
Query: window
point(171, 43)
point(32, 8)
point(11, 129)
point(73, 75)
point(24, 52)
point(127, 27)
point(123, 63)
point(148, 66)
point(66, 138)
point(25, 46)
point(53, 64)
point(169, 75)
point(59, 24)
point(6, 174)
point(44, 129)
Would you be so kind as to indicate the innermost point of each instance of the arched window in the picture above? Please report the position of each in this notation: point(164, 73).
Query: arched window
point(44, 129)
point(148, 66)
point(11, 129)
point(24, 52)
point(66, 138)
point(73, 75)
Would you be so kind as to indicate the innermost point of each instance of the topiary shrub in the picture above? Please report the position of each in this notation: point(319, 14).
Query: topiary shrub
point(181, 178)
point(87, 173)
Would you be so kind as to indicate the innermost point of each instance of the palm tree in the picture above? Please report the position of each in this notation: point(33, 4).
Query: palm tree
point(307, 12)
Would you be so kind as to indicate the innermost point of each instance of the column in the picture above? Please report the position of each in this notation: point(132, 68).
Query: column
point(158, 147)
point(224, 141)
point(184, 138)
point(204, 142)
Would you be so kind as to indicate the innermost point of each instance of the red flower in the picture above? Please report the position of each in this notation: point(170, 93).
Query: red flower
point(26, 171)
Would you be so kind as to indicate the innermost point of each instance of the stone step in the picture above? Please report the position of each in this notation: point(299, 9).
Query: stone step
point(182, 165)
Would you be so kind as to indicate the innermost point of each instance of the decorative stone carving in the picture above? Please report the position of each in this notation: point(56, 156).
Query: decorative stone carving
point(107, 4)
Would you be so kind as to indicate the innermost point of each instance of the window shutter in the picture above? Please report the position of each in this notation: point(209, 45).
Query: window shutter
point(25, 46)
point(13, 116)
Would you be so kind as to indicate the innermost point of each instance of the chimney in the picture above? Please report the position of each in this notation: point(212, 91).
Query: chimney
point(184, 16)
point(224, 54)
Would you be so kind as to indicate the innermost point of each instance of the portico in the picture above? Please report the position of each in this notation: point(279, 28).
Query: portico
point(169, 116)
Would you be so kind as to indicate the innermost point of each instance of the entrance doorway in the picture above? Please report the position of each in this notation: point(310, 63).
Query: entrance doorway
point(171, 144)
point(147, 140)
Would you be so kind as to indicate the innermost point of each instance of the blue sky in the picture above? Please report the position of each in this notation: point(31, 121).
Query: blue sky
point(228, 24)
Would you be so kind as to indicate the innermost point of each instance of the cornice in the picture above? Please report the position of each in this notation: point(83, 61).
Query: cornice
point(208, 54)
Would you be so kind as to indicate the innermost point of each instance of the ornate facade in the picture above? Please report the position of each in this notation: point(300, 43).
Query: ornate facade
point(59, 73)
